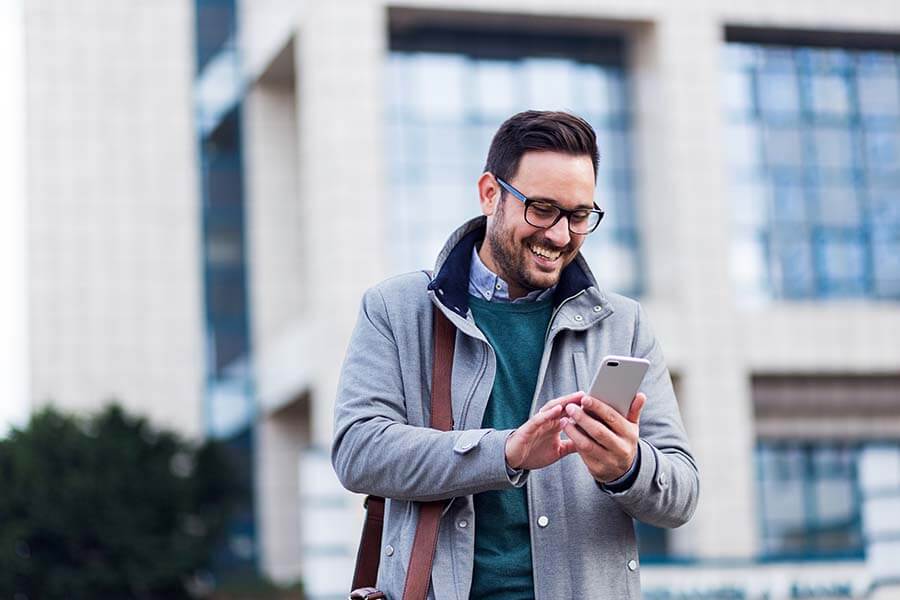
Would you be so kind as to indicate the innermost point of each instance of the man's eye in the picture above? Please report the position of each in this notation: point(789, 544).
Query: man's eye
point(580, 216)
point(544, 210)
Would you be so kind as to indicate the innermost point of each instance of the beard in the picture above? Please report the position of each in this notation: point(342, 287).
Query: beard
point(513, 258)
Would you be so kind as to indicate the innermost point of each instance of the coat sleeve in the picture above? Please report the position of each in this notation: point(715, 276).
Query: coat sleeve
point(667, 486)
point(376, 450)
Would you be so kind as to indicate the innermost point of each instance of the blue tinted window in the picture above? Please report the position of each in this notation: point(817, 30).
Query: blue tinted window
point(809, 499)
point(814, 161)
point(447, 95)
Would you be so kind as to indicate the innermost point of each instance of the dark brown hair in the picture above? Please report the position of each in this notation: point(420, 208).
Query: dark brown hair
point(539, 130)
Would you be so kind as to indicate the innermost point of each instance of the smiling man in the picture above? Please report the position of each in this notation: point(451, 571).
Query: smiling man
point(541, 482)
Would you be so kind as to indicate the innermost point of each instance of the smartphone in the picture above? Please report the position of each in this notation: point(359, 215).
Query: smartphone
point(617, 381)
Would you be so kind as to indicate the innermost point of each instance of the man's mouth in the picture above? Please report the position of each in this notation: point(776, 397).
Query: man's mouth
point(544, 252)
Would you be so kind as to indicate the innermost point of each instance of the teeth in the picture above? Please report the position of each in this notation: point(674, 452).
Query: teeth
point(545, 252)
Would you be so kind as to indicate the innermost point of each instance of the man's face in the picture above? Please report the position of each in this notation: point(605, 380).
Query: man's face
point(528, 257)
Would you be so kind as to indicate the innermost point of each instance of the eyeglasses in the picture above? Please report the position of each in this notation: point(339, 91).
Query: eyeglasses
point(545, 215)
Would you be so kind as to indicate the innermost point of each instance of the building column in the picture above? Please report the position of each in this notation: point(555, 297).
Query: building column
point(14, 226)
point(339, 57)
point(686, 216)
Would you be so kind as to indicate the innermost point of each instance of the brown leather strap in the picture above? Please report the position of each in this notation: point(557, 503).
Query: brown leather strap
point(369, 553)
point(418, 573)
point(442, 369)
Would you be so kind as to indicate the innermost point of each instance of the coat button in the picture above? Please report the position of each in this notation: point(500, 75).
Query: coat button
point(632, 565)
point(598, 308)
point(662, 480)
point(463, 524)
point(579, 318)
point(389, 550)
point(543, 521)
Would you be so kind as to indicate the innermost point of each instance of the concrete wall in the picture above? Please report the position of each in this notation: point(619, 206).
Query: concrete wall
point(113, 224)
point(13, 219)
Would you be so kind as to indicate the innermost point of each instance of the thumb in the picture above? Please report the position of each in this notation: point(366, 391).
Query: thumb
point(637, 406)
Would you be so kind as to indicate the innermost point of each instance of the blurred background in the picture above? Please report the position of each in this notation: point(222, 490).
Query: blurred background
point(194, 195)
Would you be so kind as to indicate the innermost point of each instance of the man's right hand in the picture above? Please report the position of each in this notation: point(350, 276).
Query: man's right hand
point(536, 443)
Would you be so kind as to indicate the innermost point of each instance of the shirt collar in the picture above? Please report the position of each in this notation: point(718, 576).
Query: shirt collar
point(484, 283)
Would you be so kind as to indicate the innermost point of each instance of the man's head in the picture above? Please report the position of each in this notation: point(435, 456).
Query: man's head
point(550, 157)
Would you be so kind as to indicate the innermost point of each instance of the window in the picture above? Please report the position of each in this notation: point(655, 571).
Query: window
point(215, 23)
point(448, 91)
point(809, 499)
point(814, 160)
point(820, 460)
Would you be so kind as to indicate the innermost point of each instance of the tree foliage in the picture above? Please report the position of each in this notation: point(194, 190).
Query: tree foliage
point(107, 507)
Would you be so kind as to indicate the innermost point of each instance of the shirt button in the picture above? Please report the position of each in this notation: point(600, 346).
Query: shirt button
point(463, 524)
point(632, 565)
point(389, 550)
point(543, 521)
point(498, 286)
point(579, 318)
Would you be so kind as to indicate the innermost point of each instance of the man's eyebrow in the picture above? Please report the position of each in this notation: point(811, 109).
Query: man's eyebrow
point(556, 203)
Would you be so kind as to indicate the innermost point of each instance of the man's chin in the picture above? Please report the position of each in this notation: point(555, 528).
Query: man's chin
point(542, 280)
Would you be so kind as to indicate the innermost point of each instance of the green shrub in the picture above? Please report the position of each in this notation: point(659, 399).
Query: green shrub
point(107, 507)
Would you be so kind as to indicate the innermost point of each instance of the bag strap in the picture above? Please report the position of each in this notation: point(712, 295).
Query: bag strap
point(369, 554)
point(418, 573)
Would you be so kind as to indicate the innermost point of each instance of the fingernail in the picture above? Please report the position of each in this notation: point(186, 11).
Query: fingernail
point(570, 408)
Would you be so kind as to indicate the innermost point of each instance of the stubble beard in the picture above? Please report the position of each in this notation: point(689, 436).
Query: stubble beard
point(511, 258)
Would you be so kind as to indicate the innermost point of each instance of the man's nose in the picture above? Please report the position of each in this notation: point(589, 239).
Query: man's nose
point(559, 234)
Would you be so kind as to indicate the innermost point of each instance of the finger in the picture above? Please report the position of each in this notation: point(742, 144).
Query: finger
point(597, 430)
point(566, 447)
point(537, 424)
point(607, 416)
point(637, 406)
point(584, 444)
point(546, 416)
point(563, 400)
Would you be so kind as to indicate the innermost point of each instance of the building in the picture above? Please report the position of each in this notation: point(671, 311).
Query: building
point(750, 167)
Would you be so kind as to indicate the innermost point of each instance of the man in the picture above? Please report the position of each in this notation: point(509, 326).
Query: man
point(530, 513)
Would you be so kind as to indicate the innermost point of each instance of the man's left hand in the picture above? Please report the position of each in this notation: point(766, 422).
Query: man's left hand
point(605, 440)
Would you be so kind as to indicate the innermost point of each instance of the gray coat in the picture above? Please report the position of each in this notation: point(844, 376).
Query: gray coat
point(582, 536)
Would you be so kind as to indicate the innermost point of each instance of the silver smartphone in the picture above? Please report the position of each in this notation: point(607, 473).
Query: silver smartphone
point(617, 381)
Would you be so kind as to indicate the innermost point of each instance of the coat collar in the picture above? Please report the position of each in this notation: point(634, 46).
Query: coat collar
point(451, 272)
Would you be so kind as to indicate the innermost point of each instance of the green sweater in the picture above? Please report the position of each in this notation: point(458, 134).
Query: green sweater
point(502, 568)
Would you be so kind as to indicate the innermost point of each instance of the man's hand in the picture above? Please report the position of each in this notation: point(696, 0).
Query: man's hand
point(605, 440)
point(536, 443)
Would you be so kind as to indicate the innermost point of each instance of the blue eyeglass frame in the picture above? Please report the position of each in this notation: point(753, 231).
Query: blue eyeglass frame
point(562, 211)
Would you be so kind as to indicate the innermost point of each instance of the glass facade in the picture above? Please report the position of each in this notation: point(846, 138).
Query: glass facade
point(814, 157)
point(215, 21)
point(229, 407)
point(809, 500)
point(447, 94)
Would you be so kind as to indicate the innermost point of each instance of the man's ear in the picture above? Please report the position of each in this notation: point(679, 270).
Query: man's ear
point(488, 193)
